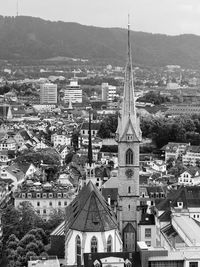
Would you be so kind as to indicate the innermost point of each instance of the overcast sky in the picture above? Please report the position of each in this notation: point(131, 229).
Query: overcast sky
point(156, 16)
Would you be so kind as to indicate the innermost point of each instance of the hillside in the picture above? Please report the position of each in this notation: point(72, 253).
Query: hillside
point(33, 38)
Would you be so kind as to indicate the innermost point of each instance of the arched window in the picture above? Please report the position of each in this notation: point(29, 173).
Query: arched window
point(109, 244)
point(129, 156)
point(94, 245)
point(78, 250)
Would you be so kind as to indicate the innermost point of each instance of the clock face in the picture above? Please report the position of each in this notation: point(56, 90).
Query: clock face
point(129, 173)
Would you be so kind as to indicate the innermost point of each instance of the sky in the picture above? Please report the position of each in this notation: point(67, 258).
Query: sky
point(171, 17)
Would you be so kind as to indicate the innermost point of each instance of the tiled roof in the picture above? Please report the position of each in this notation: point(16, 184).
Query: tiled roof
point(89, 212)
point(190, 196)
point(94, 126)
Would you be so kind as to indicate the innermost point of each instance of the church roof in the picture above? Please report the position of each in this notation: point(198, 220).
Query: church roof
point(89, 212)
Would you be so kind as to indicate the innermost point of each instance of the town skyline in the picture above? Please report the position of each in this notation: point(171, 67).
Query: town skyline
point(146, 15)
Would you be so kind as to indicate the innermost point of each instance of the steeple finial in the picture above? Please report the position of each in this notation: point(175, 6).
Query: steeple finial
point(129, 42)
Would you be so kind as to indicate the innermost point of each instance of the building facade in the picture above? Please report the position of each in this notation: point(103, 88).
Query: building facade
point(73, 93)
point(48, 93)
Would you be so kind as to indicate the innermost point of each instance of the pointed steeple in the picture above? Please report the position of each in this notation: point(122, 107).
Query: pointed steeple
point(90, 142)
point(128, 117)
point(128, 107)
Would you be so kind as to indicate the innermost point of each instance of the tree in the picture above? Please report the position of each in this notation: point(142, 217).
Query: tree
point(56, 218)
point(32, 246)
point(28, 238)
point(10, 222)
point(28, 217)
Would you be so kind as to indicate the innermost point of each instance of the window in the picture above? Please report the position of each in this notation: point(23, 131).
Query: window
point(44, 195)
point(147, 232)
point(129, 207)
point(109, 244)
point(148, 243)
point(59, 195)
point(193, 264)
point(38, 211)
point(44, 211)
point(59, 203)
point(65, 195)
point(29, 195)
point(129, 189)
point(38, 195)
point(94, 244)
point(23, 195)
point(129, 156)
point(50, 203)
point(50, 195)
point(65, 203)
point(78, 250)
point(38, 203)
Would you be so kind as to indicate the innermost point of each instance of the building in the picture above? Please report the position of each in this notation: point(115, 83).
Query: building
point(91, 226)
point(129, 137)
point(73, 93)
point(48, 93)
point(174, 150)
point(191, 155)
point(108, 92)
point(191, 176)
point(45, 198)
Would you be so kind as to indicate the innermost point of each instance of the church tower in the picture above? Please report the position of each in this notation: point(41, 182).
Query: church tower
point(129, 137)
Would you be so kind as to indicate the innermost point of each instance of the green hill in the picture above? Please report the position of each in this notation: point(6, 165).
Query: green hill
point(34, 38)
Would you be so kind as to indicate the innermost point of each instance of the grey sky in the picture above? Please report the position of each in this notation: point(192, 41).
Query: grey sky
point(160, 16)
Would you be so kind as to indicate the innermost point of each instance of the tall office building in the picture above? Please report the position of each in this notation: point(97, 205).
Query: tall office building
point(48, 93)
point(129, 137)
point(108, 92)
point(73, 92)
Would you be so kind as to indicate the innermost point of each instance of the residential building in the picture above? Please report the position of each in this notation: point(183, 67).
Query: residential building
point(174, 150)
point(61, 139)
point(191, 155)
point(73, 93)
point(146, 230)
point(48, 93)
point(45, 198)
point(108, 92)
point(94, 129)
point(191, 176)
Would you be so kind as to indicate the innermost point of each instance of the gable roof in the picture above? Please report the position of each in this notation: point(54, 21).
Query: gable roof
point(89, 212)
point(192, 170)
point(94, 126)
point(190, 196)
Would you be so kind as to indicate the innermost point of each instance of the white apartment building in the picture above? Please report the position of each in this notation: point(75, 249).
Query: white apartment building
point(73, 92)
point(191, 156)
point(48, 93)
point(45, 198)
point(108, 92)
point(61, 139)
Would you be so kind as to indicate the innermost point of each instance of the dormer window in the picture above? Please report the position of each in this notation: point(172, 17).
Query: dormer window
point(180, 205)
point(129, 137)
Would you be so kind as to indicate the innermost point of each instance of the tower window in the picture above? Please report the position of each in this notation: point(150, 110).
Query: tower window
point(129, 189)
point(129, 207)
point(129, 156)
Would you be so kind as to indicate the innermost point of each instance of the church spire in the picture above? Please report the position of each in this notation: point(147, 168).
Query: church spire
point(128, 107)
point(128, 122)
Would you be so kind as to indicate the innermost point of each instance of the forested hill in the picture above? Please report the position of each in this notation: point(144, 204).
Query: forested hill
point(34, 38)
